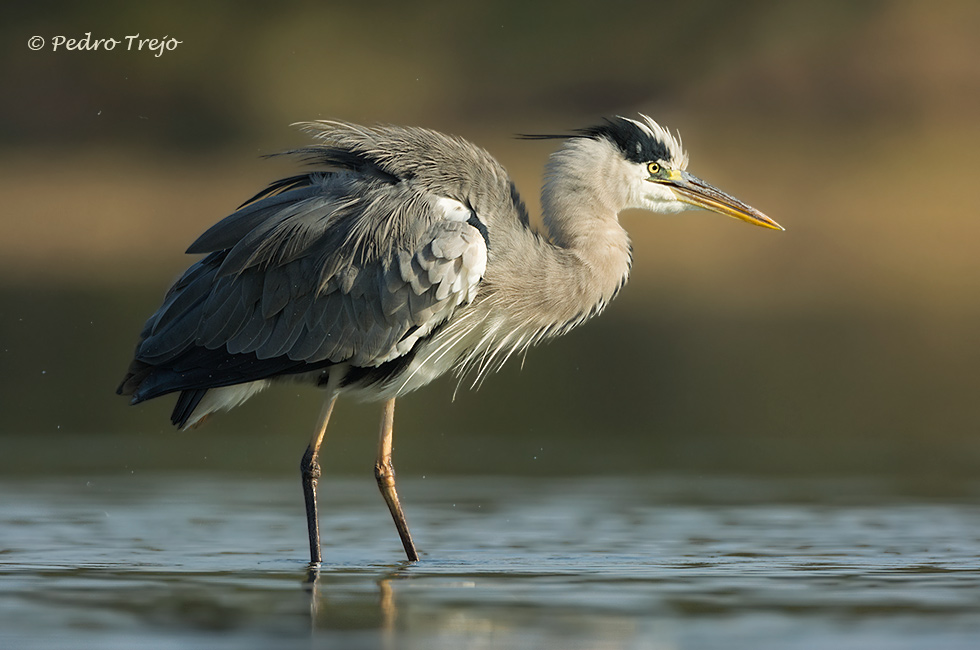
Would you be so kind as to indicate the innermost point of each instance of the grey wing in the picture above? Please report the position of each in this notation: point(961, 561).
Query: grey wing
point(346, 270)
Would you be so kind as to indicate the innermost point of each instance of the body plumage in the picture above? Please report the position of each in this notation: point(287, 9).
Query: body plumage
point(405, 255)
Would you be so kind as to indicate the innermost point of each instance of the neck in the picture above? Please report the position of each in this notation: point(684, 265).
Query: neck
point(581, 215)
point(535, 289)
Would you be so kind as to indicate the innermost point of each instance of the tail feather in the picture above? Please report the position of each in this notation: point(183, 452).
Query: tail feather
point(196, 404)
point(137, 373)
point(184, 408)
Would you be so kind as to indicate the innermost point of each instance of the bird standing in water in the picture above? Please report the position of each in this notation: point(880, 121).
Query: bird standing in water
point(408, 255)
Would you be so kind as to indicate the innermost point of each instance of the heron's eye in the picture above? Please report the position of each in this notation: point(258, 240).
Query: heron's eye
point(653, 168)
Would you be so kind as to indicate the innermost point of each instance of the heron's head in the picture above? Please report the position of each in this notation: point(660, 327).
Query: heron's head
point(654, 169)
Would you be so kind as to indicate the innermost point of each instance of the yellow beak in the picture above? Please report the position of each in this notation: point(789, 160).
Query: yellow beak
point(692, 190)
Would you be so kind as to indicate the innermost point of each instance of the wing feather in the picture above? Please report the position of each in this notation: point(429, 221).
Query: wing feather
point(229, 231)
point(352, 266)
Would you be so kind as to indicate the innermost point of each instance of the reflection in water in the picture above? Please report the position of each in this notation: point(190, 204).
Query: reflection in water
point(585, 563)
point(331, 601)
point(386, 602)
point(313, 587)
point(325, 617)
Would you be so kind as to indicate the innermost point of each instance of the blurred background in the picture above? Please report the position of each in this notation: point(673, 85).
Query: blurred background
point(847, 345)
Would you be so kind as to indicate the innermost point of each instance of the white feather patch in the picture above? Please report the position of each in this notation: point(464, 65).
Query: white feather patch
point(223, 399)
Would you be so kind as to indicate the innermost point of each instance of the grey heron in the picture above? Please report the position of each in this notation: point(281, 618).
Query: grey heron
point(408, 254)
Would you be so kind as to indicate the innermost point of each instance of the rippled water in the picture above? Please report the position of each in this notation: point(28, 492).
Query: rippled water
point(173, 561)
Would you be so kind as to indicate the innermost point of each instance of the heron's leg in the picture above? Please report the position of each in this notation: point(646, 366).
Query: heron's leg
point(310, 469)
point(385, 473)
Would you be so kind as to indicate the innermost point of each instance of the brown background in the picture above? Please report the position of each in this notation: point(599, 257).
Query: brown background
point(846, 345)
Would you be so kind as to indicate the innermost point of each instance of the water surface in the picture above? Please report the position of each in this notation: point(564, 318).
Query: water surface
point(191, 560)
